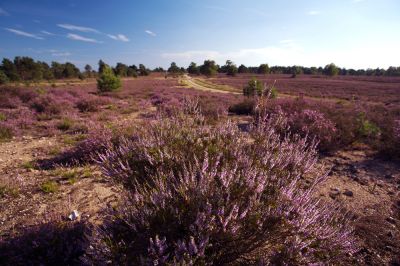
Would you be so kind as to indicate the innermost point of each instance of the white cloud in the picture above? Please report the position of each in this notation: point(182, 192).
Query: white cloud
point(23, 33)
point(150, 33)
point(64, 54)
point(118, 37)
point(46, 32)
point(313, 12)
point(3, 12)
point(77, 28)
point(77, 37)
point(293, 54)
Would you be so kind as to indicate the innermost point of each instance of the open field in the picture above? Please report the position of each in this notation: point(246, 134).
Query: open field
point(50, 137)
point(384, 90)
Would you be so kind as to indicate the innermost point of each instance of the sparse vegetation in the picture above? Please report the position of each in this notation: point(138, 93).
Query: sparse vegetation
point(49, 186)
point(68, 127)
point(108, 81)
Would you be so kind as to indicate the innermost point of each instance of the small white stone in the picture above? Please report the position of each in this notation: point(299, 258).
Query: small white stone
point(74, 215)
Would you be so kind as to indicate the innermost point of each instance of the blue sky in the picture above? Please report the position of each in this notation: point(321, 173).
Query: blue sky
point(350, 33)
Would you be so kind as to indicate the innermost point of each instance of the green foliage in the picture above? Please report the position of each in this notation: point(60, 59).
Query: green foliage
point(108, 81)
point(3, 78)
point(263, 69)
point(253, 88)
point(2, 117)
point(174, 69)
point(10, 70)
point(102, 66)
point(243, 69)
point(121, 70)
point(6, 133)
point(331, 70)
point(8, 191)
point(209, 68)
point(28, 165)
point(143, 71)
point(65, 124)
point(88, 71)
point(273, 93)
point(49, 187)
point(231, 68)
point(193, 69)
point(367, 129)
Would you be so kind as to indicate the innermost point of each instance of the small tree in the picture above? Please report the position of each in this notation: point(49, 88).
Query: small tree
point(88, 71)
point(174, 69)
point(231, 68)
point(243, 69)
point(253, 88)
point(3, 78)
point(193, 69)
point(209, 68)
point(331, 70)
point(263, 69)
point(108, 81)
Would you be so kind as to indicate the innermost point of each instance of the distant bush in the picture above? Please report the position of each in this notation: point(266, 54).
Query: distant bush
point(108, 81)
point(46, 104)
point(273, 92)
point(201, 195)
point(331, 70)
point(253, 88)
point(3, 78)
point(65, 124)
point(367, 129)
point(85, 105)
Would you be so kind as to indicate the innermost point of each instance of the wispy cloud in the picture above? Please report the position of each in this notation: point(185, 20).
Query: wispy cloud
point(3, 12)
point(149, 32)
point(23, 33)
point(46, 32)
point(119, 37)
point(62, 54)
point(77, 37)
point(313, 12)
point(77, 28)
point(274, 54)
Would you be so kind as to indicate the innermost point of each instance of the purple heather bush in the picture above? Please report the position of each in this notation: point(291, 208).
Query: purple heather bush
point(199, 195)
point(315, 125)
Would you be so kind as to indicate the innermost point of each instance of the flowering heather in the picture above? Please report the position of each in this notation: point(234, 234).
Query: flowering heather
point(397, 129)
point(313, 124)
point(197, 194)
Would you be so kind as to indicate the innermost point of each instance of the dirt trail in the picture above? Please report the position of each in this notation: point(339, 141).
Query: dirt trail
point(189, 81)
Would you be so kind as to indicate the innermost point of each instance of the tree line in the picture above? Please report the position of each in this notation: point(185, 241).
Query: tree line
point(27, 69)
point(210, 68)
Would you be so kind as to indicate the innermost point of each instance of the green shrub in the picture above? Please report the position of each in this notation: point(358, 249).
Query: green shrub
point(273, 93)
point(108, 81)
point(3, 78)
point(49, 187)
point(6, 133)
point(367, 129)
point(2, 117)
point(65, 124)
point(253, 88)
